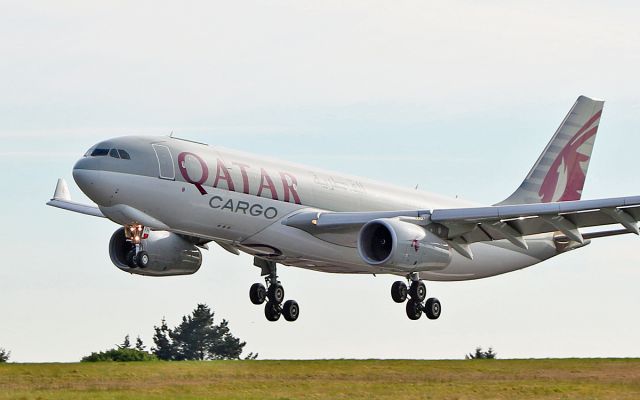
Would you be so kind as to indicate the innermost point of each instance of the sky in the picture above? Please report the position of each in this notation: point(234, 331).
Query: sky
point(456, 97)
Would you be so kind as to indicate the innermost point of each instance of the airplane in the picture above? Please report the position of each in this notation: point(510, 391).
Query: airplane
point(173, 197)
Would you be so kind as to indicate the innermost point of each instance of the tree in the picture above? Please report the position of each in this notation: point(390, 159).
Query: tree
point(197, 338)
point(126, 344)
point(481, 355)
point(164, 349)
point(139, 345)
point(4, 355)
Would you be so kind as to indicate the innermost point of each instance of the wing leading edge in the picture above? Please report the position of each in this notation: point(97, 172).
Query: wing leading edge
point(463, 226)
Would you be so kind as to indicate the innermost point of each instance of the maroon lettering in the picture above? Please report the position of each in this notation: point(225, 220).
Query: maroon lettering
point(289, 186)
point(223, 173)
point(245, 176)
point(267, 183)
point(185, 174)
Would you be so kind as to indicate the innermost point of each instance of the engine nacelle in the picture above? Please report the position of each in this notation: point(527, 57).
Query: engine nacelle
point(169, 254)
point(402, 246)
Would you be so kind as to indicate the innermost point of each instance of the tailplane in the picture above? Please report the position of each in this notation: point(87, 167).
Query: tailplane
point(561, 169)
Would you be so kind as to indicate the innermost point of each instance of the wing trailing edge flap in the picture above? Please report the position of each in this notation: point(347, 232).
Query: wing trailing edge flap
point(514, 223)
point(62, 199)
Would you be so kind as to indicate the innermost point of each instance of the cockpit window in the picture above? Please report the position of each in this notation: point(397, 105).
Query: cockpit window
point(99, 152)
point(124, 155)
point(114, 153)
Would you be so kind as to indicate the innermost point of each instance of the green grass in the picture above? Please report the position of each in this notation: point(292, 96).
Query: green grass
point(326, 379)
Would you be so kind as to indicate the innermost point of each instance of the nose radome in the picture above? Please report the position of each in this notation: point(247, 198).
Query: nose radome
point(85, 177)
point(80, 174)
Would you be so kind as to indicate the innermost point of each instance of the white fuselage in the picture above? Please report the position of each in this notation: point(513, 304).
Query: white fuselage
point(239, 199)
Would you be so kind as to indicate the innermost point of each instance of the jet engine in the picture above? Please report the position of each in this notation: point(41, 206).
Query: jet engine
point(168, 254)
point(402, 246)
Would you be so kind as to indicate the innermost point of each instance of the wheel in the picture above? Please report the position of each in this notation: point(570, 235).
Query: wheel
point(276, 293)
point(258, 293)
point(418, 291)
point(432, 308)
point(414, 309)
point(399, 291)
point(131, 258)
point(290, 310)
point(142, 259)
point(272, 311)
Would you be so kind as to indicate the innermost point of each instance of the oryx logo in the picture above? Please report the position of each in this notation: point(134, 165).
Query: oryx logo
point(565, 179)
point(416, 245)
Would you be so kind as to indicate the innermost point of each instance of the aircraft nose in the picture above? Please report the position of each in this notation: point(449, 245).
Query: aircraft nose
point(85, 174)
point(80, 171)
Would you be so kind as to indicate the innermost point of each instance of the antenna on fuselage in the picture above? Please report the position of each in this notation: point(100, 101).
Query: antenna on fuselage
point(171, 134)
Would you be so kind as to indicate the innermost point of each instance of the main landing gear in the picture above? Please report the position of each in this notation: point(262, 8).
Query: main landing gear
point(273, 294)
point(136, 256)
point(416, 305)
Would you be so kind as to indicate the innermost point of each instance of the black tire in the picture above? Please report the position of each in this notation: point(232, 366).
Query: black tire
point(276, 293)
point(131, 258)
point(432, 308)
point(142, 259)
point(418, 291)
point(258, 293)
point(290, 310)
point(272, 311)
point(414, 309)
point(399, 292)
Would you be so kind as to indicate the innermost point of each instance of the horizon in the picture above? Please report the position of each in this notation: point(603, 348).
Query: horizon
point(459, 99)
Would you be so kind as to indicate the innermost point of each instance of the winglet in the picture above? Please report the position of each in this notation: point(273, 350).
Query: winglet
point(62, 199)
point(62, 191)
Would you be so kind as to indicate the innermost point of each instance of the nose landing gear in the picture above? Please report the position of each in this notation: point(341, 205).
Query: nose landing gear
point(273, 294)
point(136, 257)
point(418, 293)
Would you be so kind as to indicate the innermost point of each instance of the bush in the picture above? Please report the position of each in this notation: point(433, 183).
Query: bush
point(120, 354)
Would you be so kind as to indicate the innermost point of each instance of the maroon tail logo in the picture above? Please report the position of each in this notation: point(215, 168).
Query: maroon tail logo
point(565, 179)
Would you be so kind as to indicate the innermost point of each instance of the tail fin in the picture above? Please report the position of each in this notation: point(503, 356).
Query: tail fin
point(559, 173)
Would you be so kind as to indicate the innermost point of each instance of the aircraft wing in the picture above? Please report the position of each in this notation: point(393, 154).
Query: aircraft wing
point(463, 226)
point(62, 199)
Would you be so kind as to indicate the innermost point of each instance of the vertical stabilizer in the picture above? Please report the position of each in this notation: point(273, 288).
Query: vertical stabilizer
point(561, 169)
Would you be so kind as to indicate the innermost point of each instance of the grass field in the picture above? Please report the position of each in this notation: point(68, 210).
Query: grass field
point(330, 379)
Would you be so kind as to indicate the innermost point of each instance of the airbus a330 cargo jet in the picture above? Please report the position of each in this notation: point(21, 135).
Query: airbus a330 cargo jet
point(173, 197)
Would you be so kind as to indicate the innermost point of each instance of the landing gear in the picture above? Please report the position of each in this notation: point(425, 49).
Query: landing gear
point(418, 290)
point(272, 311)
point(276, 292)
point(290, 310)
point(258, 293)
point(418, 293)
point(273, 294)
point(131, 258)
point(414, 309)
point(432, 308)
point(136, 256)
point(142, 259)
point(399, 292)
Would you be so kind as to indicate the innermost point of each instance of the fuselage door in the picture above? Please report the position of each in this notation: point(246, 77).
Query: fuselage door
point(165, 162)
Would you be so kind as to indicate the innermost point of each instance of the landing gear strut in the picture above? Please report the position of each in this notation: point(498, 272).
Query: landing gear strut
point(273, 294)
point(418, 293)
